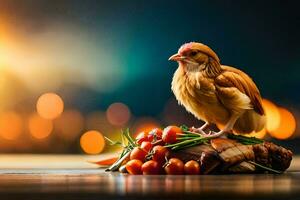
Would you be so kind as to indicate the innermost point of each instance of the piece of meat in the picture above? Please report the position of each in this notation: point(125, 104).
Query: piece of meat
point(209, 162)
point(221, 144)
point(243, 167)
point(261, 155)
point(280, 158)
point(231, 151)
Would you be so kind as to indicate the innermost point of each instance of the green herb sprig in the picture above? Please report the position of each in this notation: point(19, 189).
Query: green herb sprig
point(245, 140)
point(128, 143)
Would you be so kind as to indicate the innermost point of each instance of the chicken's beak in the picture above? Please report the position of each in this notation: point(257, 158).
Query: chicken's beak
point(176, 57)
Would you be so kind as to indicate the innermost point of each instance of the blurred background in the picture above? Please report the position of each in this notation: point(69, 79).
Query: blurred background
point(72, 72)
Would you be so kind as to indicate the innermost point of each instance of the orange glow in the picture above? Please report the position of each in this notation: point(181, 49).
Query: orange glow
point(272, 115)
point(69, 124)
point(145, 124)
point(11, 125)
point(287, 125)
point(39, 127)
point(50, 106)
point(92, 142)
point(260, 134)
point(118, 114)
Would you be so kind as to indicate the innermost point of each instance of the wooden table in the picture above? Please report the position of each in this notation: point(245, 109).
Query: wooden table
point(72, 177)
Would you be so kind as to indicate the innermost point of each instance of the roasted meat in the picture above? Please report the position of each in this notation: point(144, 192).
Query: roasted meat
point(229, 156)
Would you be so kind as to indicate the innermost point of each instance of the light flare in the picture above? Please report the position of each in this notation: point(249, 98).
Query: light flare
point(39, 127)
point(286, 127)
point(11, 125)
point(118, 114)
point(272, 115)
point(92, 142)
point(50, 106)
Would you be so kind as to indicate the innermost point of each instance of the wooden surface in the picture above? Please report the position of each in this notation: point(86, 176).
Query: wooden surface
point(72, 177)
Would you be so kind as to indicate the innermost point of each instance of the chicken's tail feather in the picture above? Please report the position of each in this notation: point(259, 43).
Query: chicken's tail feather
point(250, 121)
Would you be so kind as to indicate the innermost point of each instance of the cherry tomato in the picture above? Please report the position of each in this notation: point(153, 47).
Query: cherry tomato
point(141, 137)
point(192, 167)
point(157, 132)
point(174, 166)
point(151, 167)
point(160, 153)
point(138, 153)
point(150, 137)
point(134, 166)
point(170, 134)
point(146, 146)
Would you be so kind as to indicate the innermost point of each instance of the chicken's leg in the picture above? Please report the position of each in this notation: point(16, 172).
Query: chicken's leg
point(204, 126)
point(228, 128)
point(201, 130)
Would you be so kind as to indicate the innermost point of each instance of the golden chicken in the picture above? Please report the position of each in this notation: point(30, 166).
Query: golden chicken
point(215, 93)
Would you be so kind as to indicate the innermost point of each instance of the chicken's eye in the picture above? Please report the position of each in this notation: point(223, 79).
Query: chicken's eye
point(193, 53)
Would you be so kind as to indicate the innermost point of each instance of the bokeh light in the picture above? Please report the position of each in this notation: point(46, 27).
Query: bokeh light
point(92, 142)
point(11, 125)
point(118, 114)
point(50, 105)
point(272, 115)
point(69, 124)
point(39, 127)
point(287, 125)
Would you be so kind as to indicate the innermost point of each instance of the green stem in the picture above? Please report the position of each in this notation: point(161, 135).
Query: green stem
point(113, 142)
point(187, 145)
point(265, 168)
point(184, 138)
point(245, 140)
point(128, 137)
point(184, 142)
point(119, 162)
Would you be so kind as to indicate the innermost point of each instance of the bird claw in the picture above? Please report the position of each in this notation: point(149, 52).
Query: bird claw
point(213, 134)
point(210, 134)
point(198, 131)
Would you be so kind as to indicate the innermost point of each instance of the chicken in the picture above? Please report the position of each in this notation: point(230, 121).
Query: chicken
point(215, 93)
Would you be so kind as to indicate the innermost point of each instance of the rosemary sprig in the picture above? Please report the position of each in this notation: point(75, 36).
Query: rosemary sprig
point(114, 142)
point(245, 140)
point(185, 143)
point(191, 144)
point(126, 151)
point(126, 133)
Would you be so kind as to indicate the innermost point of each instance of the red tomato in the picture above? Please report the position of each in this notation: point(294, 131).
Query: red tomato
point(160, 153)
point(138, 153)
point(150, 137)
point(134, 167)
point(146, 146)
point(157, 132)
point(192, 167)
point(170, 134)
point(174, 166)
point(151, 167)
point(141, 137)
